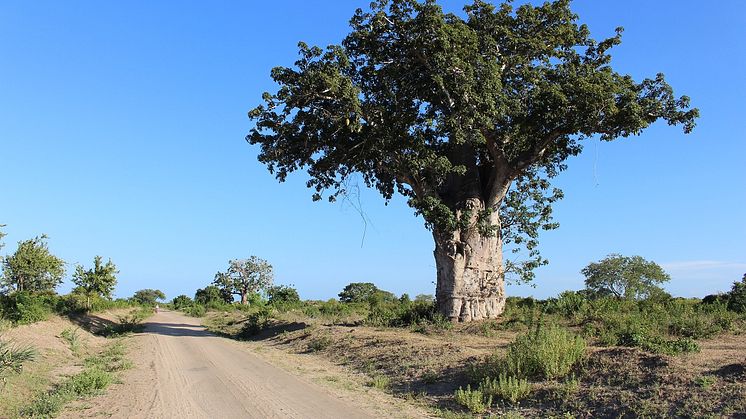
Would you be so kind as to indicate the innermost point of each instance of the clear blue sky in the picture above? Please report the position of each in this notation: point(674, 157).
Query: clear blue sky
point(122, 131)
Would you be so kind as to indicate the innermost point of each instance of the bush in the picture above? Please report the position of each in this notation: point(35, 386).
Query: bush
point(181, 301)
point(473, 400)
point(255, 323)
point(26, 308)
point(282, 295)
point(549, 352)
point(506, 387)
point(319, 344)
point(737, 296)
point(194, 310)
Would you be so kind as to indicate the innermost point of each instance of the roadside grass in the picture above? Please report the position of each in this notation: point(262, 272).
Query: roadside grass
point(98, 373)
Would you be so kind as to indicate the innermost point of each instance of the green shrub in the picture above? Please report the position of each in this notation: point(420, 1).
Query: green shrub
point(319, 344)
point(182, 301)
point(380, 382)
point(87, 383)
point(506, 387)
point(194, 310)
point(283, 296)
point(255, 323)
point(737, 296)
point(549, 352)
point(473, 400)
point(26, 308)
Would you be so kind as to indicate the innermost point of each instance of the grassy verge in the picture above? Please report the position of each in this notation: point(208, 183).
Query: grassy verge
point(99, 371)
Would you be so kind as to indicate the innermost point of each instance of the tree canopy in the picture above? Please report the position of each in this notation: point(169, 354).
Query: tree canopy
point(100, 280)
point(447, 109)
point(148, 296)
point(245, 276)
point(625, 277)
point(32, 267)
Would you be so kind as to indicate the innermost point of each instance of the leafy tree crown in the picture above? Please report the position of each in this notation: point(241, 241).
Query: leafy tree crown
point(444, 109)
point(630, 277)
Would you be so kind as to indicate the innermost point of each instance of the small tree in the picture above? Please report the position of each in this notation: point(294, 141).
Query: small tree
point(212, 294)
point(245, 276)
point(148, 296)
point(282, 294)
point(358, 292)
point(1, 237)
point(181, 301)
point(624, 277)
point(97, 281)
point(737, 296)
point(32, 267)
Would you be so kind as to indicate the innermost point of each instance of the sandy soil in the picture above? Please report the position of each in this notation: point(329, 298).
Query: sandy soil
point(182, 371)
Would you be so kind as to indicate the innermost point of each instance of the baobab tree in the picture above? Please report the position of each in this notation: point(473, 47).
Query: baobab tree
point(469, 117)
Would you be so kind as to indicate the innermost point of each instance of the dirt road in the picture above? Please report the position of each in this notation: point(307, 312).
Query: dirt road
point(189, 373)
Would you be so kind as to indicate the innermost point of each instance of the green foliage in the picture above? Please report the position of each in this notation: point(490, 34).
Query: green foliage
point(12, 357)
point(98, 281)
point(549, 352)
point(506, 387)
point(26, 307)
point(380, 382)
point(283, 295)
point(194, 310)
point(181, 301)
point(358, 292)
point(255, 323)
point(97, 375)
point(126, 324)
point(148, 296)
point(319, 344)
point(245, 277)
point(212, 296)
point(498, 98)
point(474, 400)
point(625, 277)
point(73, 338)
point(737, 296)
point(32, 268)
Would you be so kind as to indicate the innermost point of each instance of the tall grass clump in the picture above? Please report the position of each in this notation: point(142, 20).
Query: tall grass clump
point(13, 357)
point(474, 400)
point(506, 387)
point(548, 352)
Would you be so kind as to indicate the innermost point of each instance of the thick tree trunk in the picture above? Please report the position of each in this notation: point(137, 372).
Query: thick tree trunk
point(471, 279)
point(244, 297)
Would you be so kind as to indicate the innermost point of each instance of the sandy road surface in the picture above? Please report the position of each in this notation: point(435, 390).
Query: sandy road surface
point(189, 373)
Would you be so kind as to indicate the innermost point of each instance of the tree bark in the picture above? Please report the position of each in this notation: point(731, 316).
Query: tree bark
point(471, 278)
point(244, 297)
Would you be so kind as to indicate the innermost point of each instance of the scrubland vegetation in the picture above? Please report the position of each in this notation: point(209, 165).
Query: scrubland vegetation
point(584, 353)
point(52, 347)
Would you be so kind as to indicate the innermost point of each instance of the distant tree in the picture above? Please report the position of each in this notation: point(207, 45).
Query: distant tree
point(97, 281)
point(2, 234)
point(32, 268)
point(737, 296)
point(245, 276)
point(404, 299)
point(424, 298)
point(212, 294)
point(148, 296)
point(625, 277)
point(181, 301)
point(468, 116)
point(282, 294)
point(358, 292)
